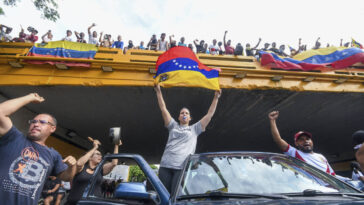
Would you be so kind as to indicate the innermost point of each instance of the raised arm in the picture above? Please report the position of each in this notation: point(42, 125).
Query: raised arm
point(318, 39)
point(89, 28)
point(207, 118)
point(256, 46)
point(299, 45)
point(44, 36)
point(149, 45)
point(77, 34)
point(162, 105)
point(70, 172)
point(170, 38)
point(82, 161)
point(107, 168)
point(283, 145)
point(195, 42)
point(10, 106)
point(100, 39)
point(225, 38)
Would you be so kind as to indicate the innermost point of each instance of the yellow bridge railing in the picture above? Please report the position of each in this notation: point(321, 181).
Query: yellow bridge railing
point(137, 68)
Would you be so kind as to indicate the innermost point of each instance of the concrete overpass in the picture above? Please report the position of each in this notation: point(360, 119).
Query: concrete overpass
point(87, 101)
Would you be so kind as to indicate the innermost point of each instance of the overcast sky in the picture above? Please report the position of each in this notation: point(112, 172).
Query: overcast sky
point(282, 21)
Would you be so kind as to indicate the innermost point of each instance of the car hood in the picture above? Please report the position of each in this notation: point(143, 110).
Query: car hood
point(315, 201)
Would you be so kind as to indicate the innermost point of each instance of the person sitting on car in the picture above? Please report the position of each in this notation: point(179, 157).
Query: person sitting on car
point(357, 174)
point(304, 144)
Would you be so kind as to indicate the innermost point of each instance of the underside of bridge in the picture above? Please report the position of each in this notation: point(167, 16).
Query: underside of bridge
point(240, 121)
point(117, 90)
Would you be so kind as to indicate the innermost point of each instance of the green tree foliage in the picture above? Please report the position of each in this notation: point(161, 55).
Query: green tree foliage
point(47, 7)
point(136, 174)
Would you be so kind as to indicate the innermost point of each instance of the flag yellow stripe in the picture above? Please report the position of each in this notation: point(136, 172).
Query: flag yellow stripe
point(68, 45)
point(185, 78)
point(321, 51)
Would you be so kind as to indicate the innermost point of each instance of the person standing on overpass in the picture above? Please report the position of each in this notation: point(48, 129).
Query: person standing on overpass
point(304, 144)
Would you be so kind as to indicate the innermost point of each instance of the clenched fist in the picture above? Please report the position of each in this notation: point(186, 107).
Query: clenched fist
point(70, 161)
point(273, 115)
point(35, 98)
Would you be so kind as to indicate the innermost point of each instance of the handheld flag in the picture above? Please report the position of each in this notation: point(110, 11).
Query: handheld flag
point(179, 66)
point(356, 44)
point(63, 49)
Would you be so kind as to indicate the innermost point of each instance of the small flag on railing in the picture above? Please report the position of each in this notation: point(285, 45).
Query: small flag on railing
point(63, 49)
point(336, 57)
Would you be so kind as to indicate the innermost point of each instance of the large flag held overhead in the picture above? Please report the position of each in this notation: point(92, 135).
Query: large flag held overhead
point(336, 57)
point(179, 66)
point(63, 49)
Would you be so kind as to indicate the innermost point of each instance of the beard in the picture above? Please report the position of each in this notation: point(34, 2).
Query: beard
point(305, 149)
point(33, 138)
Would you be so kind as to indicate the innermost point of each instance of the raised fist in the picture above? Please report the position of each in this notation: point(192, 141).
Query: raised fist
point(273, 115)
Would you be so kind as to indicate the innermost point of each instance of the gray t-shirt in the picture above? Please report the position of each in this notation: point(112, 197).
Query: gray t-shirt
point(181, 143)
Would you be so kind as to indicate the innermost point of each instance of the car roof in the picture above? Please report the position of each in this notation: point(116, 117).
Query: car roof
point(234, 153)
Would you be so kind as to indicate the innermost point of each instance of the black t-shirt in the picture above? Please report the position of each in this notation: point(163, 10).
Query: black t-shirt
point(200, 49)
point(275, 50)
point(24, 168)
point(249, 52)
point(79, 184)
point(238, 50)
point(50, 184)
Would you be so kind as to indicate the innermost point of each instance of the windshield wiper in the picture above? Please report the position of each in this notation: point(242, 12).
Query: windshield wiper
point(219, 194)
point(312, 192)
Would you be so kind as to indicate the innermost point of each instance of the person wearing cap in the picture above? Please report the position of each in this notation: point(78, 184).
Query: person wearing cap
point(304, 146)
point(5, 35)
point(33, 36)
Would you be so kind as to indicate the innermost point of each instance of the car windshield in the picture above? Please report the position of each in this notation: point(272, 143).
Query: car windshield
point(256, 173)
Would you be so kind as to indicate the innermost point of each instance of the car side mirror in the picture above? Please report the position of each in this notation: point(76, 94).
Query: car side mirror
point(135, 190)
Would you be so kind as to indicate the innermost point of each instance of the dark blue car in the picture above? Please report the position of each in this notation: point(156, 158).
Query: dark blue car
point(232, 178)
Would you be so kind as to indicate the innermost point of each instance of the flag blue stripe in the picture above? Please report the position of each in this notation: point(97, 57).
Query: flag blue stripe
point(335, 56)
point(184, 64)
point(61, 52)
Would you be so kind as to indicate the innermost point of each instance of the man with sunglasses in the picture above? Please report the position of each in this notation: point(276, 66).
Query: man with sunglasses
point(25, 161)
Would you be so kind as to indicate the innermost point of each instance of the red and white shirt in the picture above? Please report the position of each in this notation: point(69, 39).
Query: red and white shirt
point(313, 159)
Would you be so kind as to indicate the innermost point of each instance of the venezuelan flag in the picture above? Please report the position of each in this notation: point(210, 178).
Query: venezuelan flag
point(179, 66)
point(63, 49)
point(356, 44)
point(336, 57)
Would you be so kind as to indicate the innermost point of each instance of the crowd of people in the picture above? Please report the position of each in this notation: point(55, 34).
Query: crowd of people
point(27, 162)
point(57, 192)
point(216, 47)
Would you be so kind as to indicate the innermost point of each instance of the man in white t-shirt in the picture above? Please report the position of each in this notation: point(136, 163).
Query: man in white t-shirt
point(68, 36)
point(92, 38)
point(304, 144)
point(214, 49)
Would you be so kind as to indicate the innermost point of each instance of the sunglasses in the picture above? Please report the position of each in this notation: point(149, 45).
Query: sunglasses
point(43, 122)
